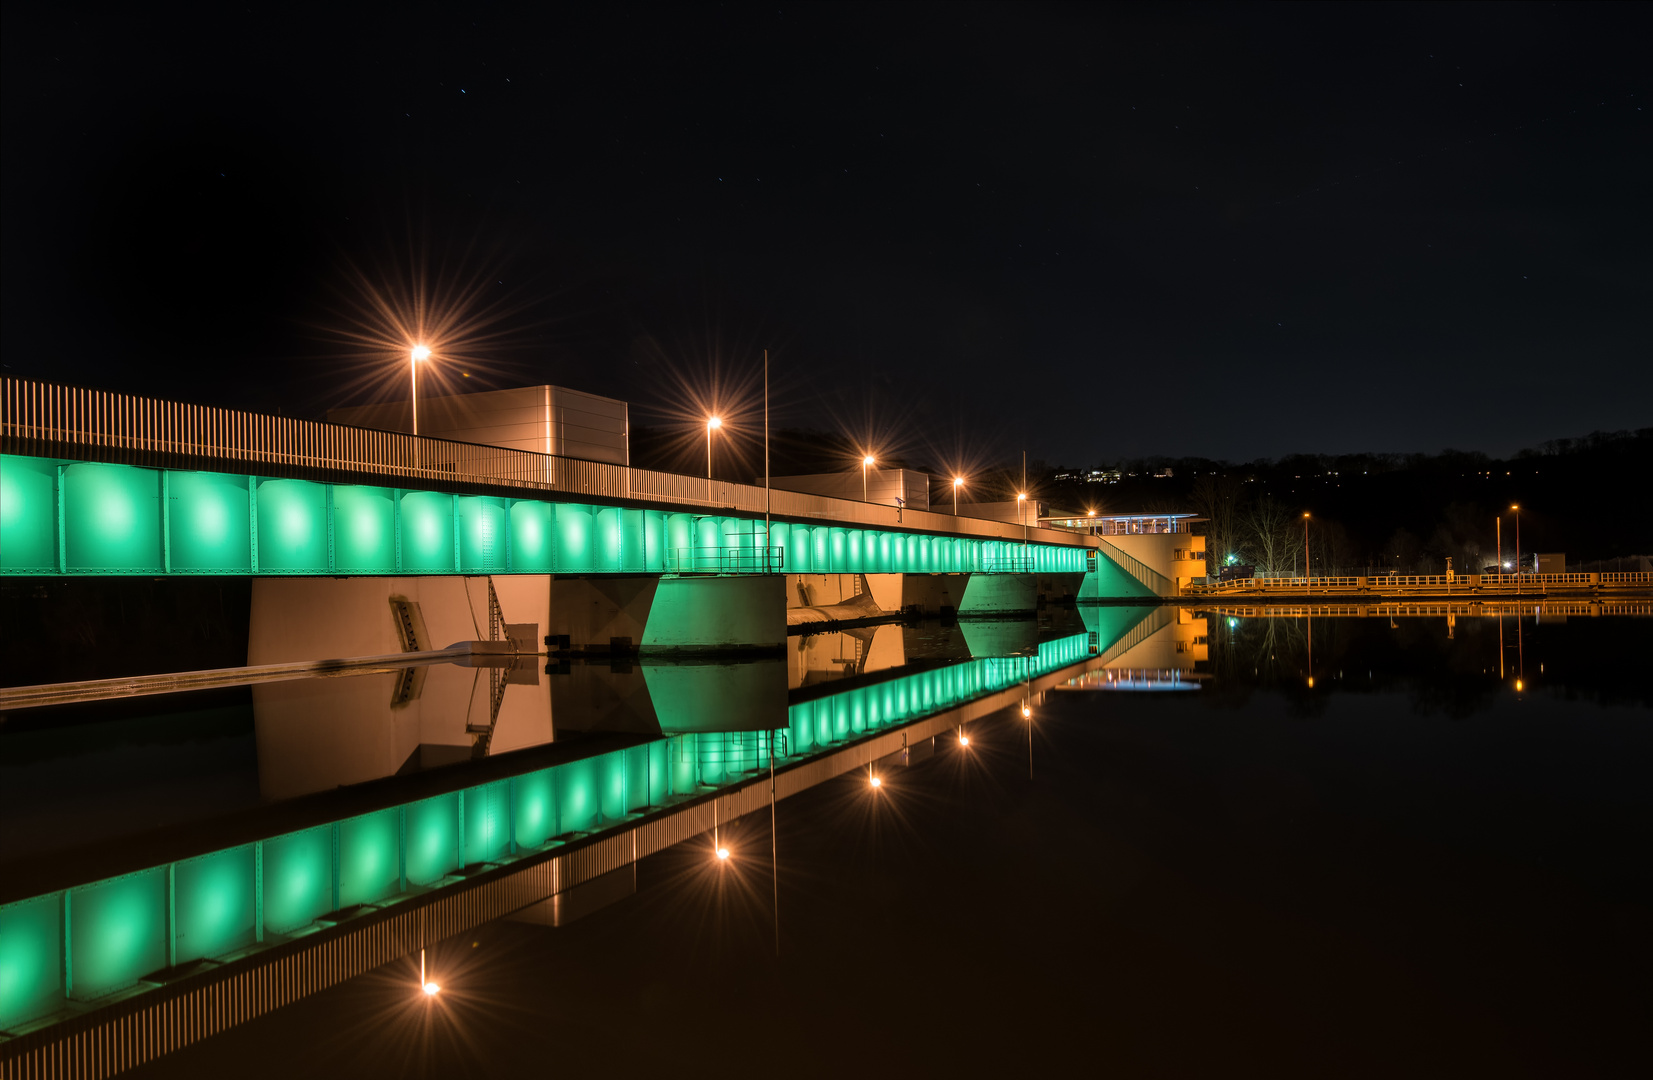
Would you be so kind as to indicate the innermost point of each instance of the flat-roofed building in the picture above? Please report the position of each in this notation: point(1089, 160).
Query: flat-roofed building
point(891, 487)
point(544, 419)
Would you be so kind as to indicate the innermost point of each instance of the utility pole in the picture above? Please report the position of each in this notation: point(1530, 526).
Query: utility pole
point(766, 489)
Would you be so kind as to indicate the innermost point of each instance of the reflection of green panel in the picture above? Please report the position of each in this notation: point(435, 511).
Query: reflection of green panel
point(368, 863)
point(427, 532)
point(28, 514)
point(208, 526)
point(536, 812)
point(574, 546)
point(117, 933)
point(481, 534)
point(577, 795)
point(487, 822)
point(433, 838)
point(530, 537)
point(214, 903)
point(31, 959)
point(112, 517)
point(292, 526)
point(298, 878)
point(364, 530)
point(605, 555)
point(611, 784)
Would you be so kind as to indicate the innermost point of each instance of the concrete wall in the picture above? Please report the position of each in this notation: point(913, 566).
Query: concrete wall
point(999, 595)
point(883, 486)
point(1166, 553)
point(717, 614)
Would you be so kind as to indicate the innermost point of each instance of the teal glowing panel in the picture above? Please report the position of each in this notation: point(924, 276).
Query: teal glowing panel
point(292, 527)
point(117, 933)
point(298, 879)
point(482, 534)
point(432, 839)
point(28, 515)
point(427, 533)
point(369, 857)
point(31, 959)
point(208, 525)
point(578, 808)
point(574, 542)
point(214, 904)
point(112, 518)
point(608, 540)
point(531, 537)
point(364, 530)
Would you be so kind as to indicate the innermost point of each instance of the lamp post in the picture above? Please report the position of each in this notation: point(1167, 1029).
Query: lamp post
point(420, 352)
point(1021, 504)
point(866, 461)
point(1516, 507)
point(1091, 514)
point(1307, 581)
point(958, 482)
point(712, 424)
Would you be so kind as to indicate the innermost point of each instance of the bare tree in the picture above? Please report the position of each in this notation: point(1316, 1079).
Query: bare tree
point(1270, 535)
point(1217, 499)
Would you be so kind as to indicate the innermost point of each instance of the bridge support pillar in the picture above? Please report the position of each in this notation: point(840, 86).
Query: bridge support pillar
point(708, 615)
point(995, 596)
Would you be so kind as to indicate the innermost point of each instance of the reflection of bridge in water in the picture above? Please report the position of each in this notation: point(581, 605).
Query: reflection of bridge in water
point(124, 962)
point(1471, 608)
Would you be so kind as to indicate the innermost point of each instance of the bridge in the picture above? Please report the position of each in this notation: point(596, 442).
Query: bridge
point(97, 483)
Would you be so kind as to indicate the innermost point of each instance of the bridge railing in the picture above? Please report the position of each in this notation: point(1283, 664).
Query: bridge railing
point(51, 420)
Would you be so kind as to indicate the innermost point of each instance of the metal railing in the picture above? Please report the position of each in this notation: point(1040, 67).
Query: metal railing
point(1435, 582)
point(714, 560)
point(51, 420)
point(1153, 579)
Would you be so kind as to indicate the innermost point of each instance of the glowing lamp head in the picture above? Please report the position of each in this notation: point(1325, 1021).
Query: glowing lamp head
point(420, 352)
point(431, 989)
point(1090, 513)
point(1311, 682)
point(1305, 513)
point(1515, 506)
point(964, 740)
point(958, 481)
point(1027, 713)
point(1020, 495)
point(1519, 685)
point(877, 782)
point(868, 460)
point(714, 422)
point(723, 854)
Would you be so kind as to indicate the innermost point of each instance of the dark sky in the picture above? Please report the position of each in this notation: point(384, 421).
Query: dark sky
point(1092, 231)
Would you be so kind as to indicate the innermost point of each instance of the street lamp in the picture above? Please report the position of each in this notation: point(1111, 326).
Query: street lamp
point(958, 482)
point(420, 352)
point(1021, 506)
point(866, 461)
point(1517, 508)
point(712, 424)
point(1306, 579)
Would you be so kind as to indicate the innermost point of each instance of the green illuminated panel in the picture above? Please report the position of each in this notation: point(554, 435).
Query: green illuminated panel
point(112, 518)
point(31, 959)
point(117, 933)
point(427, 533)
point(28, 514)
point(298, 879)
point(574, 542)
point(531, 537)
point(577, 803)
point(482, 534)
point(208, 528)
point(292, 527)
point(432, 839)
point(215, 904)
point(369, 857)
point(605, 556)
point(364, 530)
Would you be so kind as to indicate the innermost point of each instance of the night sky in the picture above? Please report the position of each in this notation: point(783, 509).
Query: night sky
point(962, 230)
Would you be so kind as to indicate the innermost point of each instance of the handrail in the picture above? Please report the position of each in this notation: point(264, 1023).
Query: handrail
point(60, 420)
point(1153, 579)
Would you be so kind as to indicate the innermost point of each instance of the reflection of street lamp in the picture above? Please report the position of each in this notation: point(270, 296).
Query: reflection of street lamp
point(712, 424)
point(420, 352)
point(864, 463)
point(958, 482)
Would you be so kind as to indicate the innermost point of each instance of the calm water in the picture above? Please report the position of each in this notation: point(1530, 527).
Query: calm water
point(1191, 863)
